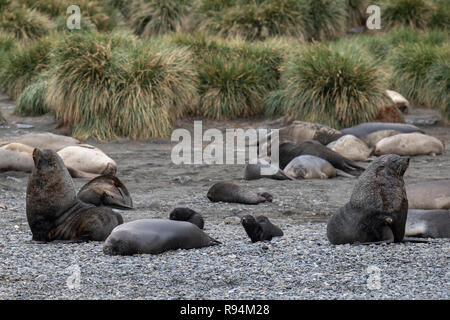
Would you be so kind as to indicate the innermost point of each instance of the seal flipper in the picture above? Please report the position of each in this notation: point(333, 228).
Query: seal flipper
point(344, 174)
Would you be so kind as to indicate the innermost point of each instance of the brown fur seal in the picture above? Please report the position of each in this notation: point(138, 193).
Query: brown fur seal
point(351, 148)
point(260, 229)
point(229, 192)
point(428, 223)
point(189, 215)
point(289, 151)
point(410, 144)
point(389, 113)
point(106, 190)
point(429, 194)
point(53, 210)
point(378, 206)
point(154, 236)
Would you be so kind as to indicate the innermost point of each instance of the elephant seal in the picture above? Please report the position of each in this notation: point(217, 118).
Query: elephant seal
point(364, 129)
point(53, 209)
point(409, 144)
point(106, 190)
point(260, 229)
point(351, 148)
point(372, 139)
point(378, 206)
point(189, 215)
point(45, 140)
point(154, 236)
point(289, 151)
point(311, 167)
point(429, 194)
point(428, 223)
point(87, 158)
point(229, 192)
point(253, 171)
point(400, 101)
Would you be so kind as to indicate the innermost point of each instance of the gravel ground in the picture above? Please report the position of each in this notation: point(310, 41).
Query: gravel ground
point(300, 265)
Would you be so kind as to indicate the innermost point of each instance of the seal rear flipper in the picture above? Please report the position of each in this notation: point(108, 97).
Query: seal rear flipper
point(344, 174)
point(117, 201)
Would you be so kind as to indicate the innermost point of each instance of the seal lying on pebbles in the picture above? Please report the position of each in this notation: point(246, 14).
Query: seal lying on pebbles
point(409, 144)
point(53, 210)
point(106, 190)
point(429, 194)
point(154, 236)
point(189, 215)
point(428, 223)
point(229, 192)
point(254, 171)
point(289, 151)
point(311, 167)
point(378, 206)
point(260, 229)
point(351, 148)
point(367, 128)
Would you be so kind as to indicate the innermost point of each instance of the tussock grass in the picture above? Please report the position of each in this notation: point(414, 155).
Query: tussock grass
point(440, 18)
point(411, 13)
point(52, 8)
point(110, 86)
point(326, 19)
point(31, 101)
point(23, 64)
point(336, 86)
point(357, 12)
point(24, 23)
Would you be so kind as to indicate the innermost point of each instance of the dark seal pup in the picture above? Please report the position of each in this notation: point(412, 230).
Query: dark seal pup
point(260, 229)
point(106, 190)
point(154, 236)
point(229, 192)
point(53, 210)
point(289, 151)
point(189, 215)
point(378, 207)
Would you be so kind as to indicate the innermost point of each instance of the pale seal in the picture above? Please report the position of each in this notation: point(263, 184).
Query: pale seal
point(253, 171)
point(351, 148)
point(409, 144)
point(429, 194)
point(311, 167)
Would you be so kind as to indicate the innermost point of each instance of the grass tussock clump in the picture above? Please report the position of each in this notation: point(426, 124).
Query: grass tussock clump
point(110, 86)
point(24, 23)
point(23, 65)
point(234, 75)
point(156, 17)
point(357, 12)
point(326, 19)
point(31, 101)
point(52, 8)
point(410, 13)
point(440, 18)
point(338, 87)
point(437, 91)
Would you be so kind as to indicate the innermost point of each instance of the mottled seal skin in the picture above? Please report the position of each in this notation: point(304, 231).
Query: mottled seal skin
point(87, 158)
point(252, 171)
point(289, 151)
point(106, 190)
point(310, 167)
point(260, 229)
point(300, 131)
point(45, 140)
point(378, 206)
point(372, 139)
point(409, 144)
point(53, 210)
point(189, 215)
point(351, 148)
point(428, 223)
point(429, 194)
point(229, 192)
point(154, 236)
point(364, 129)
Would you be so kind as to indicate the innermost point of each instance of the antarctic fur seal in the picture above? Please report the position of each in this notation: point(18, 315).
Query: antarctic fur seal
point(53, 210)
point(229, 192)
point(260, 229)
point(154, 236)
point(189, 215)
point(378, 207)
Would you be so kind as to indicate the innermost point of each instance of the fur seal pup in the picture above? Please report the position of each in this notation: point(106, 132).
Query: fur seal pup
point(312, 167)
point(229, 192)
point(53, 209)
point(378, 206)
point(253, 171)
point(289, 151)
point(409, 144)
point(106, 190)
point(260, 229)
point(364, 129)
point(351, 148)
point(429, 194)
point(189, 215)
point(44, 140)
point(87, 158)
point(428, 223)
point(154, 236)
